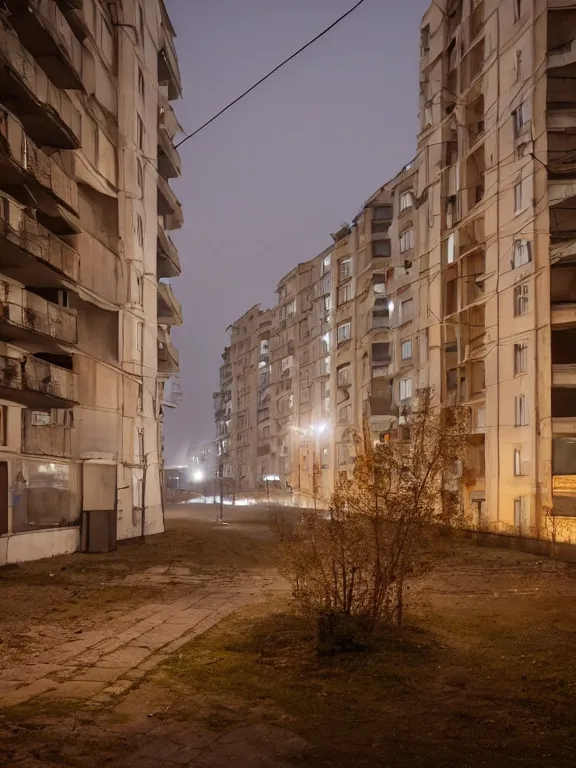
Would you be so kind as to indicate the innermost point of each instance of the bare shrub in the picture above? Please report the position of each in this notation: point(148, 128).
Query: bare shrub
point(351, 569)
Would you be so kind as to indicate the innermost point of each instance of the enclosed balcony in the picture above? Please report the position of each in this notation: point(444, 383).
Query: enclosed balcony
point(46, 34)
point(30, 319)
point(29, 175)
point(30, 253)
point(46, 112)
point(561, 42)
point(169, 205)
point(36, 383)
point(168, 69)
point(563, 344)
point(47, 433)
point(563, 293)
point(168, 262)
point(169, 308)
point(168, 355)
point(169, 164)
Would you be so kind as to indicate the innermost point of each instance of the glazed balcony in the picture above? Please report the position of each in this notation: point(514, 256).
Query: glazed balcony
point(169, 205)
point(168, 355)
point(46, 112)
point(168, 69)
point(169, 308)
point(36, 384)
point(168, 261)
point(28, 318)
point(28, 174)
point(30, 253)
point(47, 35)
point(169, 164)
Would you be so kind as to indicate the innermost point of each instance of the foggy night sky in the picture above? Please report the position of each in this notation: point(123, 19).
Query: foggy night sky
point(265, 184)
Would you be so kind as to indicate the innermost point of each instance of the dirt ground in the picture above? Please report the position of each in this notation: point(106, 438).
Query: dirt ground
point(483, 674)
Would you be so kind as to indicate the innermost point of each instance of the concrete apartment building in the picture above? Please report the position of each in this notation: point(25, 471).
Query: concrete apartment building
point(458, 274)
point(86, 151)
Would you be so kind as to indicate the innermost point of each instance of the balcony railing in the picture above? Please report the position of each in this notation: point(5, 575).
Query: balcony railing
point(46, 112)
point(31, 252)
point(168, 355)
point(27, 316)
point(169, 163)
point(168, 69)
point(36, 383)
point(22, 164)
point(45, 32)
point(168, 260)
point(169, 205)
point(169, 308)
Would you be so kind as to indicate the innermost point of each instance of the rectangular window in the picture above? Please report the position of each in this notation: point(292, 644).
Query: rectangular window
point(520, 411)
point(520, 118)
point(406, 311)
point(517, 9)
point(343, 375)
point(287, 362)
point(291, 308)
point(141, 83)
point(382, 213)
point(518, 64)
point(521, 468)
point(406, 350)
point(518, 197)
point(106, 43)
point(522, 253)
point(520, 358)
point(345, 414)
point(406, 240)
point(521, 298)
point(344, 332)
point(344, 294)
point(405, 201)
point(381, 249)
point(139, 336)
point(141, 24)
point(325, 342)
point(139, 132)
point(521, 516)
point(139, 230)
point(425, 40)
point(345, 268)
point(405, 389)
point(140, 175)
point(140, 398)
point(141, 449)
point(325, 366)
point(327, 307)
point(326, 262)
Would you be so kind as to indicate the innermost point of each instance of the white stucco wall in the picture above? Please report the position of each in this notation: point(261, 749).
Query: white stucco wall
point(36, 545)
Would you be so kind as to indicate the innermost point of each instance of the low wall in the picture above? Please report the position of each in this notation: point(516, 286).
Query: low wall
point(36, 545)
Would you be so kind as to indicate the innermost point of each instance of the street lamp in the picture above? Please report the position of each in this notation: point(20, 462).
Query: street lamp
point(198, 476)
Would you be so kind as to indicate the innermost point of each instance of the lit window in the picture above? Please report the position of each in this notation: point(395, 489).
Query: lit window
point(520, 358)
point(406, 240)
point(344, 332)
point(522, 253)
point(405, 389)
point(325, 366)
point(345, 267)
point(406, 350)
point(521, 299)
point(344, 294)
point(405, 201)
point(520, 411)
point(520, 467)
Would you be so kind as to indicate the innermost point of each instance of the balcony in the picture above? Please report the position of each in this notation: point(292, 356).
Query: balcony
point(47, 433)
point(169, 205)
point(168, 69)
point(561, 42)
point(46, 34)
point(29, 175)
point(169, 163)
point(169, 308)
point(36, 383)
point(168, 355)
point(27, 318)
point(32, 254)
point(46, 112)
point(168, 119)
point(168, 261)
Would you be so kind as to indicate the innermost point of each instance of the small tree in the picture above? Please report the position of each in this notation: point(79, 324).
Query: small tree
point(352, 569)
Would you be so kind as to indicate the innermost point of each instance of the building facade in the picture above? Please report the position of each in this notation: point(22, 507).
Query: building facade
point(86, 151)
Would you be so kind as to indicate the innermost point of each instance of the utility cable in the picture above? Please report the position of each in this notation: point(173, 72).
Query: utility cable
point(272, 72)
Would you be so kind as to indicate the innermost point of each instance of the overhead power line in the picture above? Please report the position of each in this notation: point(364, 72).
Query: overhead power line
point(272, 72)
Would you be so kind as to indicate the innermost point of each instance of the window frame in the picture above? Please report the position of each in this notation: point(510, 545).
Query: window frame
point(520, 411)
point(521, 297)
point(520, 358)
point(406, 386)
point(346, 324)
point(406, 239)
point(406, 343)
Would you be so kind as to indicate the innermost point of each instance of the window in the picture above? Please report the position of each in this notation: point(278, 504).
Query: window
point(139, 336)
point(287, 362)
point(325, 366)
point(517, 9)
point(141, 84)
point(345, 414)
point(383, 213)
point(405, 389)
point(140, 405)
point(139, 230)
point(141, 448)
point(291, 308)
point(380, 289)
point(520, 118)
point(290, 401)
point(345, 268)
point(381, 249)
point(522, 253)
point(406, 350)
point(344, 332)
point(325, 340)
point(343, 375)
point(521, 515)
point(327, 307)
point(344, 294)
point(344, 454)
point(518, 197)
point(106, 42)
point(139, 132)
point(405, 201)
point(520, 358)
point(140, 175)
point(520, 411)
point(452, 379)
point(3, 425)
point(520, 467)
point(406, 240)
point(425, 40)
point(326, 261)
point(266, 432)
point(518, 65)
point(406, 311)
point(520, 300)
point(324, 460)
